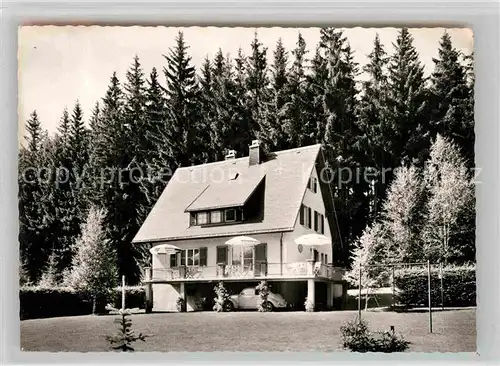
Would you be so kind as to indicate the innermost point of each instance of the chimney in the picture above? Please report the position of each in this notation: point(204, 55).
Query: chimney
point(231, 154)
point(255, 153)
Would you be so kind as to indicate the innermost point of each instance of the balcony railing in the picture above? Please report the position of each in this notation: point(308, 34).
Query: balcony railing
point(259, 270)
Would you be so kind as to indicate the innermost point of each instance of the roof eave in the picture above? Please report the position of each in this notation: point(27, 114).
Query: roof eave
point(215, 235)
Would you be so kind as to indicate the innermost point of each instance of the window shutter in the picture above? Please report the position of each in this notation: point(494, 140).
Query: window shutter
point(222, 255)
point(183, 258)
point(309, 218)
point(192, 219)
point(322, 223)
point(316, 220)
point(302, 214)
point(203, 256)
point(173, 261)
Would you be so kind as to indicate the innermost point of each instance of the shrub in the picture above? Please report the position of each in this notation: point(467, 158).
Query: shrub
point(357, 337)
point(263, 290)
point(125, 337)
point(40, 302)
point(222, 296)
point(201, 303)
point(181, 304)
point(309, 306)
point(459, 286)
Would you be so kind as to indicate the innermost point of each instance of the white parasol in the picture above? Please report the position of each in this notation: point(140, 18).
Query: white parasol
point(164, 249)
point(313, 240)
point(242, 240)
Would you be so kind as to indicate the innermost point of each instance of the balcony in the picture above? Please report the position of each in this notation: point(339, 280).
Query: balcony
point(267, 271)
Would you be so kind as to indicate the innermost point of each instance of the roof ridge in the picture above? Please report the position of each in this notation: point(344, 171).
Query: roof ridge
point(280, 152)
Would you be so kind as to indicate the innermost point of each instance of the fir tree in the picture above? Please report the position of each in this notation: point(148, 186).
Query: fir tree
point(297, 123)
point(242, 111)
point(78, 136)
point(37, 220)
point(125, 336)
point(450, 93)
point(272, 131)
point(409, 118)
point(156, 139)
point(182, 98)
point(257, 83)
point(34, 132)
point(116, 183)
point(373, 123)
point(225, 114)
point(339, 129)
point(63, 128)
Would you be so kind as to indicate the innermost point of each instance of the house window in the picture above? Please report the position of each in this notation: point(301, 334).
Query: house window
point(316, 220)
point(201, 218)
point(321, 224)
point(309, 214)
point(326, 258)
point(193, 257)
point(313, 184)
point(243, 256)
point(173, 260)
point(222, 255)
point(215, 217)
point(230, 215)
point(302, 215)
point(248, 257)
point(236, 259)
point(203, 256)
point(322, 258)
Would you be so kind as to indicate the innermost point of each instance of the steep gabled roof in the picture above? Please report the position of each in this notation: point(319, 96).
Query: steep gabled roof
point(286, 175)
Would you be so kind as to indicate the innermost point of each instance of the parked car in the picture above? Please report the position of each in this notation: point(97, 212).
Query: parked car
point(249, 298)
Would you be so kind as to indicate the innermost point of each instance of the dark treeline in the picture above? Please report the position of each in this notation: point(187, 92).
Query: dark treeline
point(179, 116)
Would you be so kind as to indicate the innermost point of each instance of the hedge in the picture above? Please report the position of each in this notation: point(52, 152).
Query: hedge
point(135, 297)
point(459, 286)
point(39, 302)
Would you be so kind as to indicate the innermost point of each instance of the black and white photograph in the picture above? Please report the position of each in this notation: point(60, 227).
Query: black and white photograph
point(246, 189)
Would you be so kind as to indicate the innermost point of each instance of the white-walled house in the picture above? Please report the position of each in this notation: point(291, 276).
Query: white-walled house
point(274, 198)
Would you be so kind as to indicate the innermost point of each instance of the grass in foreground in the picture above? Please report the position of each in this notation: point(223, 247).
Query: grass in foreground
point(454, 331)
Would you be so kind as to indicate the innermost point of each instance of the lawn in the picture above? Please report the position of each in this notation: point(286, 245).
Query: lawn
point(454, 331)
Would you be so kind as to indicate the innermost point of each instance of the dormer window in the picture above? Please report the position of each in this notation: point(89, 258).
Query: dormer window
point(201, 218)
point(230, 215)
point(215, 217)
